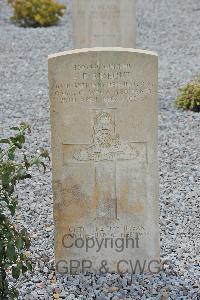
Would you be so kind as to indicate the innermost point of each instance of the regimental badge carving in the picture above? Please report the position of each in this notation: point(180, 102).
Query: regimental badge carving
point(106, 143)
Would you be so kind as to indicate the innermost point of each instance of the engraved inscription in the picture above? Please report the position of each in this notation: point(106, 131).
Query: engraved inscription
point(108, 231)
point(109, 83)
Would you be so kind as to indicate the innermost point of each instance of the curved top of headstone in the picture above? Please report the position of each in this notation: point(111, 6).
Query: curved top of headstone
point(102, 49)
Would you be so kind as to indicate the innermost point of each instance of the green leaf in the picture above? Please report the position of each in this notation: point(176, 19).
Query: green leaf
point(29, 265)
point(22, 174)
point(6, 174)
point(27, 242)
point(43, 165)
point(11, 253)
point(19, 243)
point(11, 153)
point(1, 283)
point(17, 141)
point(44, 153)
point(12, 207)
point(1, 250)
point(23, 257)
point(21, 138)
point(15, 128)
point(25, 238)
point(25, 126)
point(24, 269)
point(2, 217)
point(26, 162)
point(23, 232)
point(16, 272)
point(4, 141)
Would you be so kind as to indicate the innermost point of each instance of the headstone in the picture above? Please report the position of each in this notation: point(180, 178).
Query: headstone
point(104, 153)
point(104, 23)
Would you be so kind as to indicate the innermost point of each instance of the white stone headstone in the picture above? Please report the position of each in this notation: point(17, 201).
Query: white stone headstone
point(104, 23)
point(104, 154)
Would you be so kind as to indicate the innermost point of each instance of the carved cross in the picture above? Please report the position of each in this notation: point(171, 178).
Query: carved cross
point(105, 152)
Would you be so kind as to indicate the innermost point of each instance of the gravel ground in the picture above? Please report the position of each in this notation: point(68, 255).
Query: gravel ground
point(171, 28)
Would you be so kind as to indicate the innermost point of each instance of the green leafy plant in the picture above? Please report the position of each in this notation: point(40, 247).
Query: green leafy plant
point(15, 165)
point(189, 97)
point(35, 13)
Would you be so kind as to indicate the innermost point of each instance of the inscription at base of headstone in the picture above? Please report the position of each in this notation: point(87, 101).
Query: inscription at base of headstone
point(104, 23)
point(105, 165)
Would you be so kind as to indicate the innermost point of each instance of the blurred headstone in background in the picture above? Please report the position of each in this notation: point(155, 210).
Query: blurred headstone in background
point(104, 23)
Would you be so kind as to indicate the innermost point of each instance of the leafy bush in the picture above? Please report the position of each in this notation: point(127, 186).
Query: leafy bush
point(14, 240)
point(189, 97)
point(36, 12)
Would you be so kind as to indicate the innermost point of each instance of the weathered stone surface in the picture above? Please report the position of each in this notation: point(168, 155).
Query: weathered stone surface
point(104, 153)
point(104, 23)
